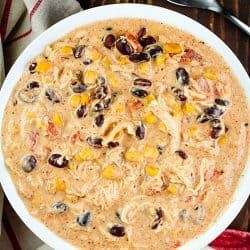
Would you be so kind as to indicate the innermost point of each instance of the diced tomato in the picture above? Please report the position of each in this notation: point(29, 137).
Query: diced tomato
point(75, 137)
point(134, 42)
point(52, 129)
point(33, 138)
point(189, 55)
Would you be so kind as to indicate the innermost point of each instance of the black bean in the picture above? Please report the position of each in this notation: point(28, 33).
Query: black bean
point(94, 142)
point(123, 46)
point(101, 92)
point(182, 76)
point(145, 41)
point(142, 82)
point(32, 85)
point(32, 67)
point(221, 102)
point(78, 87)
point(160, 149)
point(153, 50)
point(118, 215)
point(140, 131)
point(179, 94)
point(58, 161)
point(182, 154)
point(84, 219)
point(216, 132)
point(81, 111)
point(158, 220)
point(141, 93)
point(98, 107)
point(99, 120)
point(213, 111)
point(216, 123)
point(117, 230)
point(29, 163)
point(100, 80)
point(60, 207)
point(52, 95)
point(87, 61)
point(159, 213)
point(109, 41)
point(78, 51)
point(141, 32)
point(139, 57)
point(106, 102)
point(202, 118)
point(113, 144)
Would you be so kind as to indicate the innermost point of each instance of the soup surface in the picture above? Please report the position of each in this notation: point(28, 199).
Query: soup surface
point(126, 134)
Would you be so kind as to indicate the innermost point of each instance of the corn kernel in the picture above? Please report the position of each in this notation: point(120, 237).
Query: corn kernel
point(74, 100)
point(37, 199)
point(43, 66)
point(172, 188)
point(188, 108)
point(222, 140)
point(160, 60)
point(84, 98)
point(172, 48)
point(57, 120)
point(15, 129)
point(148, 99)
point(71, 198)
point(150, 152)
point(123, 60)
point(41, 124)
point(60, 185)
point(106, 63)
point(177, 110)
point(90, 77)
point(31, 116)
point(132, 155)
point(78, 158)
point(118, 135)
point(113, 81)
point(71, 165)
point(93, 54)
point(66, 50)
point(152, 171)
point(210, 73)
point(110, 173)
point(150, 118)
point(88, 154)
point(162, 127)
point(143, 68)
point(120, 109)
point(192, 130)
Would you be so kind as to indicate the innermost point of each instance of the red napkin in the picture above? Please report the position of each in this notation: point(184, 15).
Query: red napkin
point(232, 240)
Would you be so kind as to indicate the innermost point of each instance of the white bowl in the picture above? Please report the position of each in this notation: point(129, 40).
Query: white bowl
point(102, 13)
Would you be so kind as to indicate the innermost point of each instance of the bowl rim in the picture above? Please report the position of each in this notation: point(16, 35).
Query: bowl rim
point(106, 12)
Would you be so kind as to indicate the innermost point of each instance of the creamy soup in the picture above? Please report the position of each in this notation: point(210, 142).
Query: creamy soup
point(126, 134)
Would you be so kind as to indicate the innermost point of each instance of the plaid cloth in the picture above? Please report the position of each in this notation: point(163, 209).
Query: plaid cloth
point(21, 22)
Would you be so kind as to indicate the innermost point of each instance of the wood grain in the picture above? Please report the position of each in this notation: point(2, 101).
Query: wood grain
point(228, 32)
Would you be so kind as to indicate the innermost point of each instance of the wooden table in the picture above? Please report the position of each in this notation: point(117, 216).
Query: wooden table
point(229, 33)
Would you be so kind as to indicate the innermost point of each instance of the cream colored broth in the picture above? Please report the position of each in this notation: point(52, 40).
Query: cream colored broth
point(143, 186)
